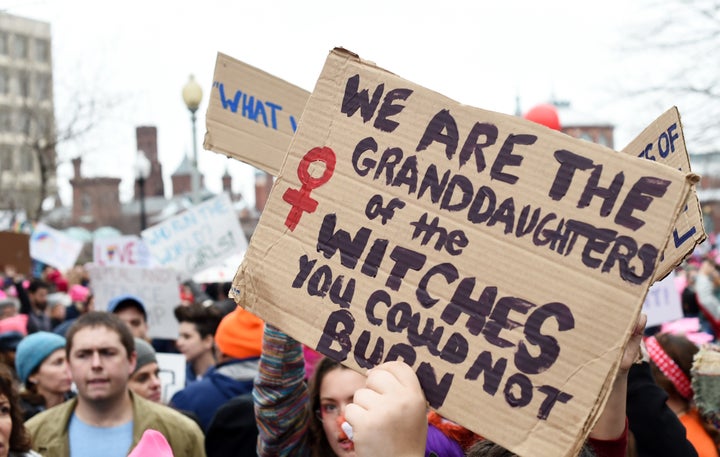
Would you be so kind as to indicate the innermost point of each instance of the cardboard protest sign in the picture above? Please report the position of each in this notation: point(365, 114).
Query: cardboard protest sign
point(53, 247)
point(662, 302)
point(15, 251)
point(505, 262)
point(663, 142)
point(129, 251)
point(252, 115)
point(158, 288)
point(198, 238)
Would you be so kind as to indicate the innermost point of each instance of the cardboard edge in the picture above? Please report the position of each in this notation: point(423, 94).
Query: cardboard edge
point(612, 374)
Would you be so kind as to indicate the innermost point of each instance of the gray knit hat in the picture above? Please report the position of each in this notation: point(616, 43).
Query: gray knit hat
point(145, 354)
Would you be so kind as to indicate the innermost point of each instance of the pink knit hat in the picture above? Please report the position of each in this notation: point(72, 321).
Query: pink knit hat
point(152, 444)
point(79, 293)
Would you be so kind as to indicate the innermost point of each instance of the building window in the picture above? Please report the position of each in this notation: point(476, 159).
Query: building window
point(86, 204)
point(24, 84)
point(20, 47)
point(42, 87)
point(4, 81)
point(42, 50)
point(586, 136)
point(602, 139)
point(3, 43)
point(5, 120)
point(6, 157)
point(26, 160)
point(22, 122)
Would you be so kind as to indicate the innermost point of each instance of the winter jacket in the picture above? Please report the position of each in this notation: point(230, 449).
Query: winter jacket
point(220, 384)
point(49, 429)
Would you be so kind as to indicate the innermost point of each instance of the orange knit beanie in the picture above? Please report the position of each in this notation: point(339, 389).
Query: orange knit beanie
point(239, 334)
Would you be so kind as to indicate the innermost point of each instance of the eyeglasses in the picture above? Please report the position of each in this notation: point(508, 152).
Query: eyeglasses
point(329, 411)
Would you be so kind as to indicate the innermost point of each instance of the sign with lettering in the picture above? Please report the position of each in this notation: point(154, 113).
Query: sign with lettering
point(662, 302)
point(198, 238)
point(127, 250)
point(158, 288)
point(252, 115)
point(53, 247)
point(505, 262)
point(663, 141)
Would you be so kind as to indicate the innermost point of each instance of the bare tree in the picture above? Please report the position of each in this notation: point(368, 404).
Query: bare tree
point(675, 45)
point(43, 135)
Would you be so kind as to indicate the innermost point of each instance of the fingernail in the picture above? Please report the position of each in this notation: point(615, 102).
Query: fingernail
point(347, 428)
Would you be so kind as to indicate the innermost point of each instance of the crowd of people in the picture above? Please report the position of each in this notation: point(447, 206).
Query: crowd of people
point(76, 381)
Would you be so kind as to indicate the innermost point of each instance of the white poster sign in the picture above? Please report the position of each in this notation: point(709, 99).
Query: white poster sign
point(662, 302)
point(54, 248)
point(198, 238)
point(158, 288)
point(172, 374)
point(129, 251)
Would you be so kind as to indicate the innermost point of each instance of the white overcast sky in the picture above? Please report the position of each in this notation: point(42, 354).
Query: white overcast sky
point(480, 53)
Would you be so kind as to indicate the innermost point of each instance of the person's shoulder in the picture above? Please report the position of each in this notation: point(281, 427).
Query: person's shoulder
point(194, 390)
point(156, 412)
point(54, 415)
point(24, 454)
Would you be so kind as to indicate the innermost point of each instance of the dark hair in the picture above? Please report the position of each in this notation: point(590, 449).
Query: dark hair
point(36, 284)
point(101, 319)
point(206, 319)
point(320, 444)
point(19, 436)
point(682, 351)
point(486, 448)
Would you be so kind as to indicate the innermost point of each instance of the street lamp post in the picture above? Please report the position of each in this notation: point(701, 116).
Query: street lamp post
point(192, 95)
point(142, 171)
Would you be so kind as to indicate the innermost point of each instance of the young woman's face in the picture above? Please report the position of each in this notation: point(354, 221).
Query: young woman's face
point(190, 343)
point(53, 375)
point(336, 391)
point(146, 382)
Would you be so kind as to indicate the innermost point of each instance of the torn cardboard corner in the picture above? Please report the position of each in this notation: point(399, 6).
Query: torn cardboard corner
point(505, 262)
point(252, 115)
point(663, 141)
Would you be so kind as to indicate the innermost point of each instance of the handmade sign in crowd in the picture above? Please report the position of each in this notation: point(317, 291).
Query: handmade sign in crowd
point(53, 247)
point(157, 288)
point(505, 262)
point(15, 252)
point(253, 108)
point(662, 302)
point(198, 238)
point(663, 141)
point(129, 251)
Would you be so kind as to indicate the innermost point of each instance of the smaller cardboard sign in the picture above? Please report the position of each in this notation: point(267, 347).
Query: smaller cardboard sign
point(53, 247)
point(15, 251)
point(252, 115)
point(663, 141)
point(129, 251)
point(198, 238)
point(158, 288)
point(662, 302)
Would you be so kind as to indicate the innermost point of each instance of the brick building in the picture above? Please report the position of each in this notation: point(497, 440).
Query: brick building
point(96, 201)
